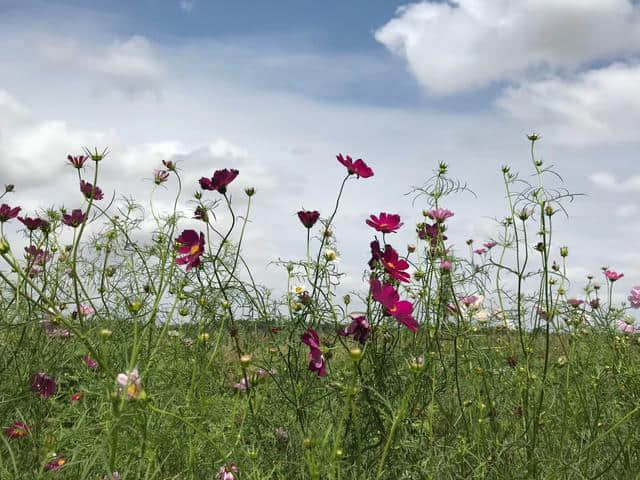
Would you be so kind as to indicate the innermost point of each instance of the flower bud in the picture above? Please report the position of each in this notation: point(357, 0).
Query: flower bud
point(105, 333)
point(549, 210)
point(355, 354)
point(533, 137)
point(246, 359)
point(251, 191)
point(134, 306)
point(347, 299)
point(4, 245)
point(411, 248)
point(9, 188)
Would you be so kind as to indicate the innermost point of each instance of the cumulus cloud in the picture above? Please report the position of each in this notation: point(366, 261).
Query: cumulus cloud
point(609, 182)
point(598, 106)
point(460, 45)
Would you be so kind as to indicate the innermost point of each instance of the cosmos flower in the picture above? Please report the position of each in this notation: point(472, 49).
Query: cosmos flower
point(446, 265)
point(220, 180)
point(480, 251)
point(35, 256)
point(87, 310)
point(388, 297)
point(317, 361)
point(359, 328)
point(634, 297)
point(77, 161)
point(226, 472)
point(7, 213)
point(76, 397)
point(394, 265)
point(625, 327)
point(17, 430)
point(574, 302)
point(89, 191)
point(308, 217)
point(613, 276)
point(439, 214)
point(160, 176)
point(429, 232)
point(75, 219)
point(358, 167)
point(56, 464)
point(130, 383)
point(489, 245)
point(43, 385)
point(385, 223)
point(31, 223)
point(192, 245)
point(89, 362)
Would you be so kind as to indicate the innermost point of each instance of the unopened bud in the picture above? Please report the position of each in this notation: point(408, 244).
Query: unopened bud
point(355, 354)
point(9, 188)
point(4, 245)
point(250, 191)
point(564, 251)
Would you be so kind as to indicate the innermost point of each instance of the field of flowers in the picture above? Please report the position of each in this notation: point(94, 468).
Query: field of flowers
point(134, 355)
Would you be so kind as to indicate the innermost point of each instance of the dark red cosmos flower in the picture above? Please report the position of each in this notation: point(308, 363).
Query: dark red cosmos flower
point(31, 223)
point(359, 328)
point(316, 358)
point(595, 303)
point(77, 161)
point(17, 430)
point(389, 298)
point(75, 219)
point(76, 397)
point(44, 385)
point(308, 217)
point(89, 362)
point(7, 213)
point(394, 265)
point(385, 223)
point(56, 464)
point(429, 232)
point(219, 181)
point(90, 191)
point(358, 167)
point(192, 246)
point(376, 254)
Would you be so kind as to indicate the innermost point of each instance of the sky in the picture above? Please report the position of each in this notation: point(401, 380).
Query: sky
point(277, 89)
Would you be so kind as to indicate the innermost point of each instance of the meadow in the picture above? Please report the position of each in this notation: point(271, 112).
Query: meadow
point(135, 355)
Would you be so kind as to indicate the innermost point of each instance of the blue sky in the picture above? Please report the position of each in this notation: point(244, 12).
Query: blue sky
point(276, 89)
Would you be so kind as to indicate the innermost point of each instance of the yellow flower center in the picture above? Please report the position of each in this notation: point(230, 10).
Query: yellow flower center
point(195, 249)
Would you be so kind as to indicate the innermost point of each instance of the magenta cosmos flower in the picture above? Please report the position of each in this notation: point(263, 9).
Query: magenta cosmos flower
point(430, 232)
point(192, 245)
point(359, 328)
point(7, 213)
point(75, 219)
point(308, 217)
point(394, 265)
point(613, 276)
point(385, 223)
point(44, 385)
point(358, 167)
point(219, 181)
point(77, 161)
point(89, 191)
point(389, 298)
point(439, 214)
point(489, 245)
point(160, 176)
point(17, 430)
point(31, 223)
point(446, 265)
point(634, 297)
point(36, 255)
point(480, 251)
point(317, 361)
point(89, 362)
point(574, 302)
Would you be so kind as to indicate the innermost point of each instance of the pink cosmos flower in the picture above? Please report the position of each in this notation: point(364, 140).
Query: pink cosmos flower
point(226, 472)
point(625, 327)
point(75, 219)
point(160, 176)
point(17, 430)
point(90, 362)
point(308, 217)
point(446, 265)
point(36, 256)
point(87, 310)
point(574, 302)
point(634, 297)
point(243, 385)
point(480, 251)
point(489, 245)
point(77, 161)
point(385, 223)
point(394, 265)
point(7, 213)
point(389, 298)
point(31, 223)
point(192, 246)
point(317, 361)
point(56, 464)
point(439, 214)
point(358, 167)
point(220, 180)
point(43, 385)
point(130, 382)
point(613, 276)
point(359, 328)
point(89, 191)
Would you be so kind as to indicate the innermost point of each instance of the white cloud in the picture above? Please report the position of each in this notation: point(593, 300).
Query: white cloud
point(626, 210)
point(466, 44)
point(598, 106)
point(609, 182)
